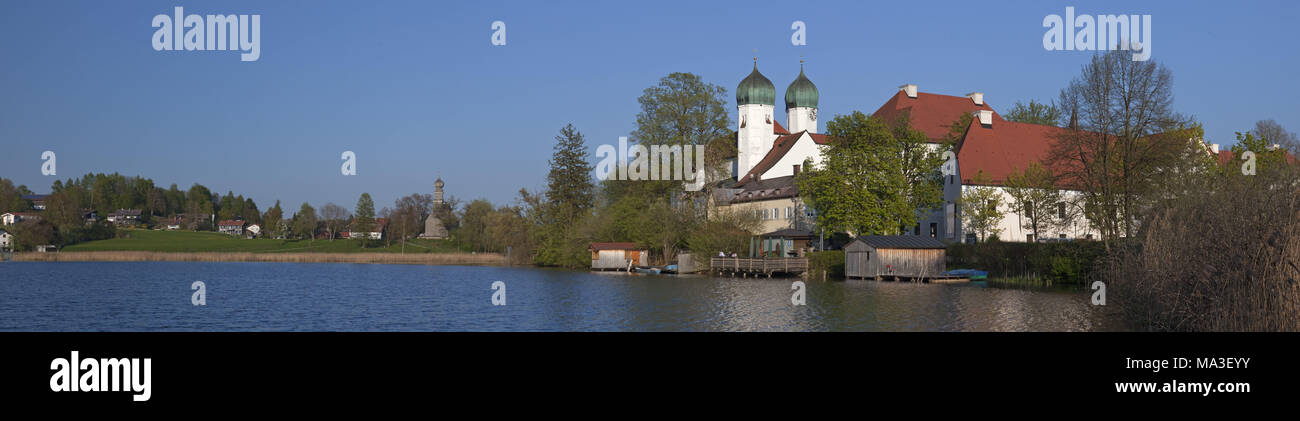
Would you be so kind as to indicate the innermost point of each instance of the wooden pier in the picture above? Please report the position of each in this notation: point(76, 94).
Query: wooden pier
point(746, 267)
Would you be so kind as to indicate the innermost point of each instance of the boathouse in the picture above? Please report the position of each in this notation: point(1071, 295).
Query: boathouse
point(894, 257)
point(606, 256)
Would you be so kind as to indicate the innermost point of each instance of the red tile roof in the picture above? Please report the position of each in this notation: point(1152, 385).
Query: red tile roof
point(932, 114)
point(612, 246)
point(1005, 147)
point(230, 223)
point(780, 147)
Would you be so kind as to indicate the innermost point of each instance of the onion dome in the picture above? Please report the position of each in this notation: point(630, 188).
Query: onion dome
point(755, 89)
point(801, 93)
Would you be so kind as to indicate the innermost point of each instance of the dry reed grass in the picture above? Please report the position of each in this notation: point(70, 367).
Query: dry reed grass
point(1224, 260)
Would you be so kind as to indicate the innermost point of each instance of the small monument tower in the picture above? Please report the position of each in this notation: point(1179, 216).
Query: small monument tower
point(433, 227)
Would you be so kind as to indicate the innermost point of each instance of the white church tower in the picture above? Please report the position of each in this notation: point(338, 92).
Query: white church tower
point(801, 104)
point(756, 98)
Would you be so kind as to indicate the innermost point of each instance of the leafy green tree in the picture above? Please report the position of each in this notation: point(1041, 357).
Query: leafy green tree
point(681, 110)
point(31, 233)
point(304, 223)
point(570, 196)
point(1034, 113)
point(980, 207)
point(473, 225)
point(1267, 158)
point(860, 185)
point(920, 164)
point(568, 184)
point(10, 197)
point(1034, 193)
point(273, 220)
point(363, 220)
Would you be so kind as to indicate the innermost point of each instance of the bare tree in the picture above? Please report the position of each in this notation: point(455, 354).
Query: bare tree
point(1123, 108)
point(1275, 134)
point(333, 216)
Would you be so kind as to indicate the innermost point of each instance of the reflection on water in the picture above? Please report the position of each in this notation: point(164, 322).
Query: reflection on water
point(152, 296)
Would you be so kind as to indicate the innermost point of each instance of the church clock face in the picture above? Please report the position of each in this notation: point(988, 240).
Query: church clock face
point(813, 113)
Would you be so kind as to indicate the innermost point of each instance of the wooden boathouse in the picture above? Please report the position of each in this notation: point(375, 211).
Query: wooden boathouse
point(617, 256)
point(896, 257)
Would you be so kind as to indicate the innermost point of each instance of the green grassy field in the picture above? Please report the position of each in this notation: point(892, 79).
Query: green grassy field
point(189, 241)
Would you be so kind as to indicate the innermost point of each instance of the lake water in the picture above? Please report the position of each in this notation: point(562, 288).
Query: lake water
point(156, 296)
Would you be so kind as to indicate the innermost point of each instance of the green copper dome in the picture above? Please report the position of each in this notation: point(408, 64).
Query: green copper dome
point(801, 93)
point(755, 89)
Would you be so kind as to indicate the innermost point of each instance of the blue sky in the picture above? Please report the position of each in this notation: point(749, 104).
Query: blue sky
point(416, 89)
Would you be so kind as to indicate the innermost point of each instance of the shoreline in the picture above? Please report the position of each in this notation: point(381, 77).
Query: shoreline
point(432, 259)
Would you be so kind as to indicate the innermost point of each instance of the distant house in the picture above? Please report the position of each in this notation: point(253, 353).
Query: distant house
point(11, 218)
point(90, 216)
point(231, 227)
point(125, 217)
point(170, 224)
point(38, 200)
point(6, 240)
point(47, 248)
point(616, 255)
point(894, 256)
point(376, 233)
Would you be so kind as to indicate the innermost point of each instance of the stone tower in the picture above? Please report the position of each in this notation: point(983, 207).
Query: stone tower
point(433, 227)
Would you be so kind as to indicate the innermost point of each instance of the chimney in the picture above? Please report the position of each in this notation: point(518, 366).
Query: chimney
point(978, 97)
point(909, 89)
point(1214, 148)
point(985, 116)
point(796, 169)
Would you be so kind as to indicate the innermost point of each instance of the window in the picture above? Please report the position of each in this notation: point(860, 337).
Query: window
point(934, 229)
point(1029, 209)
point(1029, 237)
point(1060, 210)
point(1061, 235)
point(993, 205)
point(917, 230)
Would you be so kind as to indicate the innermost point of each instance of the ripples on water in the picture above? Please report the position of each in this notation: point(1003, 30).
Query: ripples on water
point(153, 296)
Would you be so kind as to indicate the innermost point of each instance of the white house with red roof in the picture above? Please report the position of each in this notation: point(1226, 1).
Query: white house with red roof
point(769, 155)
point(231, 227)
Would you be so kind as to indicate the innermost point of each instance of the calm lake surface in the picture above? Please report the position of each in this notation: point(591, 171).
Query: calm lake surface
point(155, 296)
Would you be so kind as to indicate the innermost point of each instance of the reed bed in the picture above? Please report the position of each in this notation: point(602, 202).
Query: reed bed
point(1223, 259)
point(477, 259)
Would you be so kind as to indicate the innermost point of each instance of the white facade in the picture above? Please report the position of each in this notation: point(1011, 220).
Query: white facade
point(754, 136)
point(798, 119)
point(804, 148)
point(6, 240)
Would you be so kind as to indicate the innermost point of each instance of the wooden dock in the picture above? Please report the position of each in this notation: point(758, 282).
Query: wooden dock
point(745, 267)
